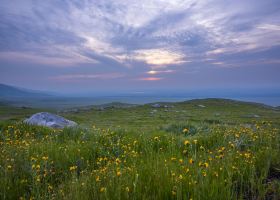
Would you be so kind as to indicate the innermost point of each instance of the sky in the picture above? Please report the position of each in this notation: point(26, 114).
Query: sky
point(131, 45)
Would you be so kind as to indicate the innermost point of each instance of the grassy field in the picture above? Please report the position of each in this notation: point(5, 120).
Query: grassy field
point(199, 149)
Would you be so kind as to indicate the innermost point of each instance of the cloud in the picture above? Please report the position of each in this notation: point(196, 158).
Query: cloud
point(50, 60)
point(160, 71)
point(272, 27)
point(135, 37)
point(158, 57)
point(150, 79)
point(103, 76)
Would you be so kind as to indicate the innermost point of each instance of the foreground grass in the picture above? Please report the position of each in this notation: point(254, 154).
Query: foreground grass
point(179, 162)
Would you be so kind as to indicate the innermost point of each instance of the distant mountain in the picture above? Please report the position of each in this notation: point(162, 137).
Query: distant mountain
point(7, 92)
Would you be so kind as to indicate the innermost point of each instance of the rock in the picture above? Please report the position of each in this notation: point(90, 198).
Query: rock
point(49, 120)
point(201, 106)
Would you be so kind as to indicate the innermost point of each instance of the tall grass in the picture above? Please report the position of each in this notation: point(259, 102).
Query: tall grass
point(216, 162)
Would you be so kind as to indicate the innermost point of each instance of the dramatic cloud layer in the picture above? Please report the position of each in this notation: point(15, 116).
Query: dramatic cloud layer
point(133, 44)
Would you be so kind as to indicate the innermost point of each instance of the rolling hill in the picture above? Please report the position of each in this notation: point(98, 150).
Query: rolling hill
point(7, 91)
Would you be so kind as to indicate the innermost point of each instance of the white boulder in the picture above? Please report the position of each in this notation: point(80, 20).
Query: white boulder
point(49, 120)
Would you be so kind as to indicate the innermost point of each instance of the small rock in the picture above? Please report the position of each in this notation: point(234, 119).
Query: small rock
point(201, 106)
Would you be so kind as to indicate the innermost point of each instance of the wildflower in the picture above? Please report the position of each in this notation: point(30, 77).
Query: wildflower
point(195, 141)
point(102, 189)
point(191, 161)
point(234, 168)
point(232, 145)
point(33, 159)
point(204, 173)
point(247, 155)
point(45, 158)
point(118, 173)
point(180, 177)
point(23, 181)
point(185, 130)
point(156, 138)
point(72, 168)
point(186, 142)
point(9, 167)
point(181, 161)
point(118, 161)
point(97, 179)
point(206, 164)
point(50, 187)
point(127, 189)
point(216, 174)
point(173, 159)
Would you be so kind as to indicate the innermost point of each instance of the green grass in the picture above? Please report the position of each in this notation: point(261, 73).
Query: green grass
point(222, 151)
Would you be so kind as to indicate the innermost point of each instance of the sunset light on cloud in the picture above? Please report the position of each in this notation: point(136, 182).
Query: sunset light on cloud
point(150, 79)
point(159, 72)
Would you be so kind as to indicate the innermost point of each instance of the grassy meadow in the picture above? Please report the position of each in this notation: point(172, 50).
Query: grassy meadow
point(199, 149)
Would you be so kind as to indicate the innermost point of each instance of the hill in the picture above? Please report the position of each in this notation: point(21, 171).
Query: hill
point(7, 91)
point(200, 149)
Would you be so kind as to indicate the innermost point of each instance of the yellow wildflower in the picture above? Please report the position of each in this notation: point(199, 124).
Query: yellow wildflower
point(180, 177)
point(191, 161)
point(118, 173)
point(185, 130)
point(72, 168)
point(173, 159)
point(102, 189)
point(45, 158)
point(186, 142)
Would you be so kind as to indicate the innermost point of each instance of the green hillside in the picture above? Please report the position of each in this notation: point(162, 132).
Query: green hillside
point(198, 149)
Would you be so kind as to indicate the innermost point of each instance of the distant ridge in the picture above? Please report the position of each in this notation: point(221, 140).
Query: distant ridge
point(21, 97)
point(7, 91)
